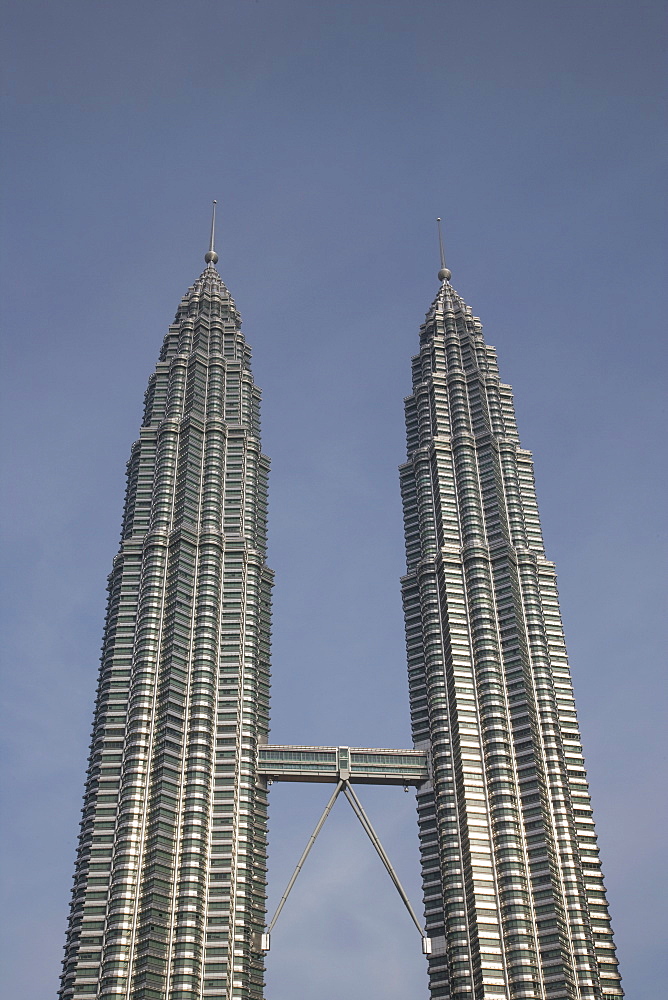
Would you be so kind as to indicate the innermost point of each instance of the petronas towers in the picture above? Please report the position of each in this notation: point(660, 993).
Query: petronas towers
point(169, 889)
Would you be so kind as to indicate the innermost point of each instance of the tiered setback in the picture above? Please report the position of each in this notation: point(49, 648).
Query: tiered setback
point(171, 868)
point(514, 895)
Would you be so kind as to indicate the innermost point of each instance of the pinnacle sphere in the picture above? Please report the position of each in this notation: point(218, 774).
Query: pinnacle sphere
point(211, 257)
point(444, 274)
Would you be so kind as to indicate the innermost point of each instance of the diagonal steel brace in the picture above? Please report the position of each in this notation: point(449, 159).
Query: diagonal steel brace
point(345, 787)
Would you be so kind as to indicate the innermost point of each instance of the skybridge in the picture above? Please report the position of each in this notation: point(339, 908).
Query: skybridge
point(353, 764)
point(343, 766)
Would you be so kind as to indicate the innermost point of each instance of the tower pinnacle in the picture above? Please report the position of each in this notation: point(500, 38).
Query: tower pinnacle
point(444, 274)
point(212, 257)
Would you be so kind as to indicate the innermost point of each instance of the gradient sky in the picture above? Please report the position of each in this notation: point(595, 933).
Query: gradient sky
point(332, 134)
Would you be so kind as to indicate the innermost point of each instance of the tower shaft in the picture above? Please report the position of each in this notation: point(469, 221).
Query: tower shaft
point(514, 898)
point(171, 867)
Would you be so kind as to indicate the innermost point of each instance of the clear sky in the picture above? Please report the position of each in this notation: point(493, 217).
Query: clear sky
point(332, 134)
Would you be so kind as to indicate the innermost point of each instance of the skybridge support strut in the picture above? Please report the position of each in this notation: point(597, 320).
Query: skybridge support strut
point(307, 851)
point(344, 786)
point(375, 840)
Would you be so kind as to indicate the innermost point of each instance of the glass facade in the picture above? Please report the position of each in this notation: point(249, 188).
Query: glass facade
point(514, 896)
point(171, 867)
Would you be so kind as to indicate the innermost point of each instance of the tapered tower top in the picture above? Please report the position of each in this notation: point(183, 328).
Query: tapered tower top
point(444, 274)
point(211, 257)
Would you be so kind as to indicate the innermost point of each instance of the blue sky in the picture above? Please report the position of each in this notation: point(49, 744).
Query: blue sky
point(332, 135)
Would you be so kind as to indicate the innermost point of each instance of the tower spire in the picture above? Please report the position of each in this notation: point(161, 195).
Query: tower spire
point(444, 274)
point(212, 257)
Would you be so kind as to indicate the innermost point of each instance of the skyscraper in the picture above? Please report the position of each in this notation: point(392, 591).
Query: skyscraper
point(514, 897)
point(169, 890)
point(172, 843)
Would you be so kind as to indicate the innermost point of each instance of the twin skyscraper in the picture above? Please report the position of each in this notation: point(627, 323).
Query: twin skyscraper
point(170, 883)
